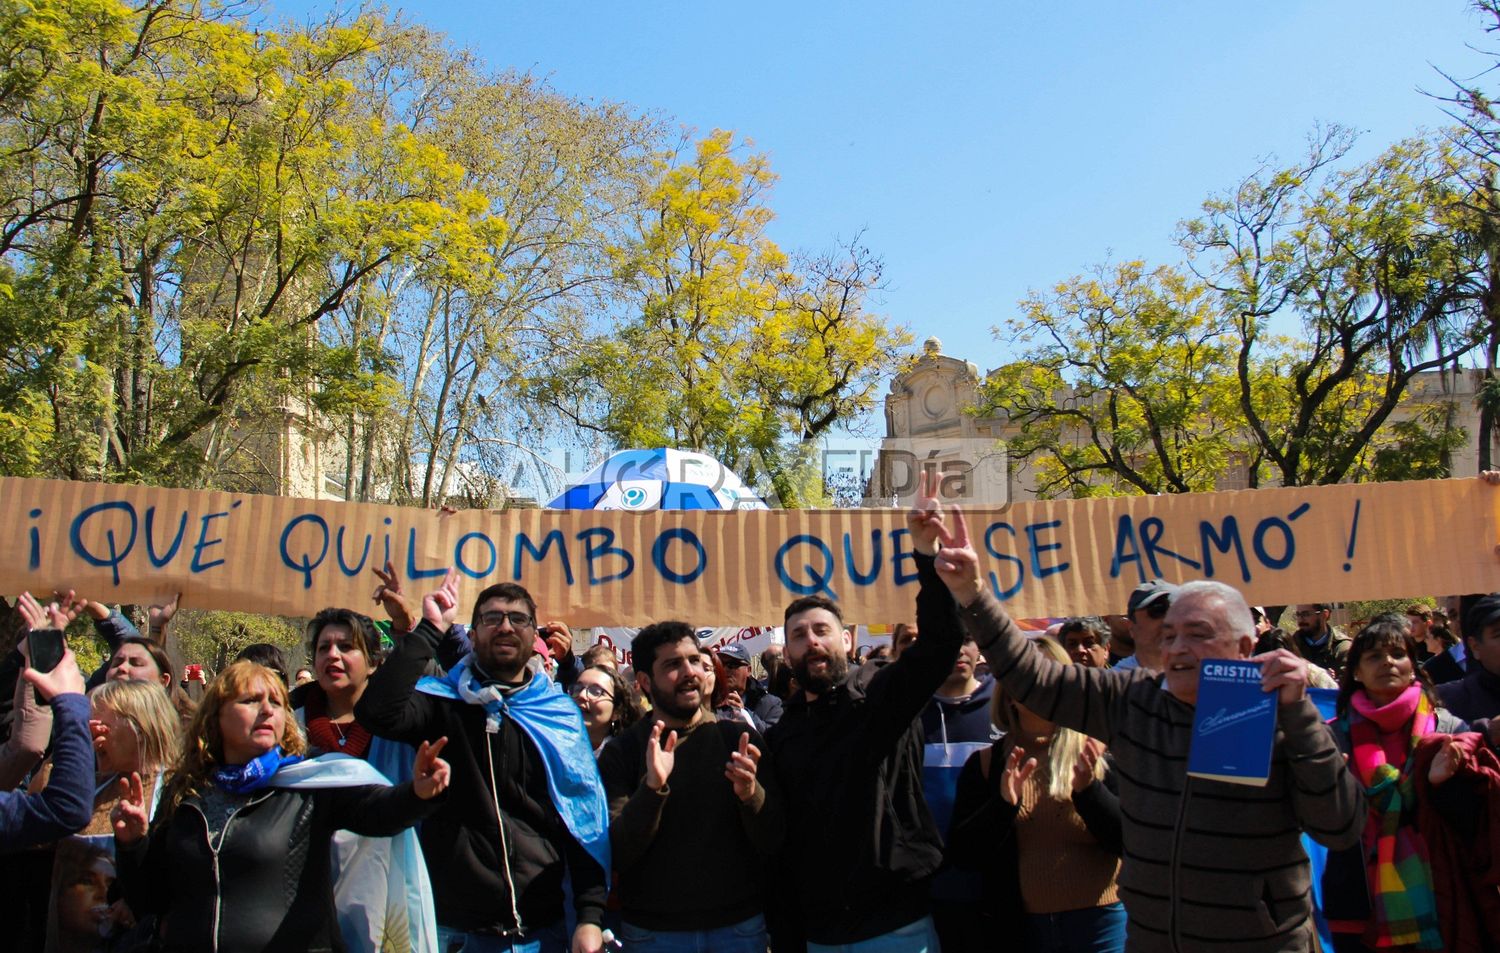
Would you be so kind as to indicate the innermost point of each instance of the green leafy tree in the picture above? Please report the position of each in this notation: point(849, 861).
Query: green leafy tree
point(1125, 383)
point(730, 345)
point(1378, 266)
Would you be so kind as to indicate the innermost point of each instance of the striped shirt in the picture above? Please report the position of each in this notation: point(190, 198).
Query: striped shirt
point(1207, 865)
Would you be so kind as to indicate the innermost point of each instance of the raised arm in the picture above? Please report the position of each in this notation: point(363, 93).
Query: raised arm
point(899, 691)
point(390, 706)
point(66, 803)
point(30, 730)
point(1074, 696)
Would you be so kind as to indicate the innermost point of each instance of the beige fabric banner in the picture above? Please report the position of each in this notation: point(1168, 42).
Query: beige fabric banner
point(118, 543)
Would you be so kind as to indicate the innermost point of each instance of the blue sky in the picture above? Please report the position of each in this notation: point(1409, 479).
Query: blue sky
point(988, 148)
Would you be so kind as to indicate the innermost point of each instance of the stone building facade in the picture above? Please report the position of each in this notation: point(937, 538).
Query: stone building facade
point(926, 425)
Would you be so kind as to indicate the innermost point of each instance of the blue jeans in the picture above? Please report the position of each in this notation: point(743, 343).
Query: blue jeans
point(747, 936)
point(1091, 930)
point(550, 939)
point(919, 936)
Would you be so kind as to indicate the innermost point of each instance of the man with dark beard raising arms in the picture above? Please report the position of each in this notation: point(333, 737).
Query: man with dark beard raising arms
point(861, 845)
point(684, 786)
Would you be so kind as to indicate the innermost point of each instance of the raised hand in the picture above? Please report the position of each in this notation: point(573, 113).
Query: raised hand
point(741, 768)
point(57, 614)
point(1284, 672)
point(429, 773)
point(32, 612)
point(129, 815)
point(659, 757)
point(64, 608)
point(957, 563)
point(440, 607)
point(1447, 762)
point(403, 614)
point(1015, 775)
point(559, 639)
point(1084, 769)
point(157, 617)
point(733, 700)
point(65, 679)
point(925, 518)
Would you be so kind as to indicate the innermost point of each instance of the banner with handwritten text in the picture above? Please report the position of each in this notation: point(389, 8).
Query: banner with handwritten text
point(118, 543)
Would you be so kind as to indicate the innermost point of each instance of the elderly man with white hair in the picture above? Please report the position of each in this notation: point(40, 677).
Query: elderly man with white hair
point(1207, 865)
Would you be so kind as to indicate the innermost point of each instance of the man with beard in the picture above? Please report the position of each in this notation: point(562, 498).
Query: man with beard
point(498, 849)
point(682, 783)
point(861, 845)
point(1320, 643)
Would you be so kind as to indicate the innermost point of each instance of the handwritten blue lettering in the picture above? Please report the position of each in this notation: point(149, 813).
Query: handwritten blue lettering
point(595, 551)
point(464, 567)
point(855, 576)
point(116, 555)
point(524, 543)
point(1001, 592)
point(306, 564)
point(659, 555)
point(818, 581)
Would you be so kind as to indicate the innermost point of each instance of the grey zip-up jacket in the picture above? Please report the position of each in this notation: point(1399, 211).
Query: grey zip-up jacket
point(1207, 865)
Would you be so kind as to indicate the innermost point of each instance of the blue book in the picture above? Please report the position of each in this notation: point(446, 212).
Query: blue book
point(1234, 726)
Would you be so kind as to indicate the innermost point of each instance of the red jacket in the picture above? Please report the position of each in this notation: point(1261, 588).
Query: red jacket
point(1465, 863)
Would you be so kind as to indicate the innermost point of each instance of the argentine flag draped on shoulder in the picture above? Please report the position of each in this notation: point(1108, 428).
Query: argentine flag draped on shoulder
point(553, 723)
point(381, 892)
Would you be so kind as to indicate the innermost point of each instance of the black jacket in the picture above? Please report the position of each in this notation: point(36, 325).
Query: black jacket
point(472, 860)
point(268, 886)
point(658, 838)
point(861, 844)
point(1475, 698)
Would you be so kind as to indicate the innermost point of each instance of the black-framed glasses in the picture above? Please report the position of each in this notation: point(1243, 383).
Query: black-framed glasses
point(518, 620)
point(590, 691)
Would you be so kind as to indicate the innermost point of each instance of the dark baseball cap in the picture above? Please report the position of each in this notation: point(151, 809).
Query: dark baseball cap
point(735, 653)
point(1149, 592)
point(1482, 613)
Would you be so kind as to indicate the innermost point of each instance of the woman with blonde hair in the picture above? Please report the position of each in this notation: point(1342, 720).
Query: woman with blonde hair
point(1036, 814)
point(137, 730)
point(237, 856)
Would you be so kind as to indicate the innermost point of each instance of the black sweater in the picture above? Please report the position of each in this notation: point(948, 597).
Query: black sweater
point(698, 824)
point(471, 866)
point(860, 843)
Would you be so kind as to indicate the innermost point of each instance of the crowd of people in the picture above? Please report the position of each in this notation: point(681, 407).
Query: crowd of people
point(472, 785)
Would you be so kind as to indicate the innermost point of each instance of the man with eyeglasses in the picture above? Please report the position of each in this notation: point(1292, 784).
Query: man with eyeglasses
point(1320, 643)
point(684, 786)
point(1146, 608)
point(525, 806)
